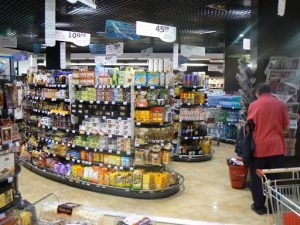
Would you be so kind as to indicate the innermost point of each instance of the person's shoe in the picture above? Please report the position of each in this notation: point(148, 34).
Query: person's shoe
point(260, 210)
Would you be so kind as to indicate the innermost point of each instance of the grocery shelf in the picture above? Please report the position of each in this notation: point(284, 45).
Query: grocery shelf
point(49, 99)
point(48, 85)
point(164, 124)
point(100, 86)
point(224, 107)
point(190, 104)
point(118, 191)
point(191, 87)
point(153, 87)
point(192, 137)
point(193, 158)
point(102, 102)
point(47, 112)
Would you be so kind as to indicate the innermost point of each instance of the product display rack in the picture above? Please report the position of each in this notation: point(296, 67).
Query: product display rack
point(191, 118)
point(44, 140)
point(11, 199)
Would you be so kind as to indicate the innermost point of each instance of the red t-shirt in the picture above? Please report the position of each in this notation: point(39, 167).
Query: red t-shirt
point(270, 116)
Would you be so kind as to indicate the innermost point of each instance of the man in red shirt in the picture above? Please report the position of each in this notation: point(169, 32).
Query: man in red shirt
point(271, 118)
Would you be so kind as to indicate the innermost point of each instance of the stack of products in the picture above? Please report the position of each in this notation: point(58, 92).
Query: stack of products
point(193, 130)
point(192, 97)
point(48, 78)
point(195, 147)
point(152, 98)
point(192, 114)
point(146, 135)
point(143, 78)
point(49, 93)
point(154, 115)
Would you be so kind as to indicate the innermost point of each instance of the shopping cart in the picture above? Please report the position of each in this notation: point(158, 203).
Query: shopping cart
point(282, 195)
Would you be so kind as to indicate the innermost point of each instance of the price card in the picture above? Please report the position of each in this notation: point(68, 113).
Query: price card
point(118, 152)
point(86, 116)
point(109, 166)
point(121, 167)
point(53, 99)
point(109, 151)
point(125, 103)
point(110, 136)
point(81, 101)
point(152, 87)
point(73, 131)
point(95, 150)
point(108, 86)
point(101, 150)
point(186, 138)
point(138, 123)
point(131, 168)
point(91, 102)
point(63, 143)
point(104, 117)
point(106, 102)
point(78, 161)
point(68, 144)
point(86, 148)
point(116, 167)
point(98, 102)
point(113, 103)
point(138, 87)
point(54, 128)
point(118, 86)
point(73, 146)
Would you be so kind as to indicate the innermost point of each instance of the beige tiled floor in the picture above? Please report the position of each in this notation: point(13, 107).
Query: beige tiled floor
point(207, 195)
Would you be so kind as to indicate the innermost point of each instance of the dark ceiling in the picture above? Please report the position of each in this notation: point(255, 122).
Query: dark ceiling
point(197, 23)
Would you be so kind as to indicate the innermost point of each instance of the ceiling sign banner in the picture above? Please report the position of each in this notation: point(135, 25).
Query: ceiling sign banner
point(105, 60)
point(50, 21)
point(63, 57)
point(164, 32)
point(117, 29)
point(175, 55)
point(147, 52)
point(216, 67)
point(281, 7)
point(188, 50)
point(8, 42)
point(115, 49)
point(89, 3)
point(20, 56)
point(97, 49)
point(80, 39)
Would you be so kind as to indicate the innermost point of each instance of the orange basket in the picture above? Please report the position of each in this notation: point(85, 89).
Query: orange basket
point(238, 176)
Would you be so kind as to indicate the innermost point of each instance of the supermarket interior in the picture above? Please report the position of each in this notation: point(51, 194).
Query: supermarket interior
point(138, 112)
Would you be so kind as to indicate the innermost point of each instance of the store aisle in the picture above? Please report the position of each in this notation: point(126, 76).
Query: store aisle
point(207, 196)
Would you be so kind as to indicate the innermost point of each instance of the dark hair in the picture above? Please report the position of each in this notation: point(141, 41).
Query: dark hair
point(262, 88)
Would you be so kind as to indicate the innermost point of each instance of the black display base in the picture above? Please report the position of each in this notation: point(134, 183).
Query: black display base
point(193, 158)
point(122, 192)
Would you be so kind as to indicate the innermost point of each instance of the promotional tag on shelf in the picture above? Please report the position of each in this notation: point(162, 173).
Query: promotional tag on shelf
point(8, 42)
point(80, 39)
point(175, 55)
point(147, 52)
point(118, 29)
point(50, 21)
point(164, 32)
point(105, 59)
point(115, 49)
point(188, 50)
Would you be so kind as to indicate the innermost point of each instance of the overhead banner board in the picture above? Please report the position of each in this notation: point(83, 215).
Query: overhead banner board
point(50, 21)
point(118, 29)
point(188, 50)
point(164, 32)
point(80, 39)
point(8, 42)
point(115, 49)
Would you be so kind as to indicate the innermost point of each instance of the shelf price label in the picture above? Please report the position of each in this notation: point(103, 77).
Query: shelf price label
point(164, 32)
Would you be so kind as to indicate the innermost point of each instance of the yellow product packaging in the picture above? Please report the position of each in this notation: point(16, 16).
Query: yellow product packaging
point(117, 160)
point(25, 218)
point(101, 157)
point(159, 185)
point(100, 178)
point(106, 159)
point(128, 180)
point(137, 179)
point(145, 116)
point(112, 179)
point(206, 146)
point(96, 156)
point(165, 179)
point(148, 181)
point(120, 179)
point(106, 179)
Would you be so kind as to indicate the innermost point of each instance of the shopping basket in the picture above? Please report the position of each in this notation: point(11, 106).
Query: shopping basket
point(283, 195)
point(238, 175)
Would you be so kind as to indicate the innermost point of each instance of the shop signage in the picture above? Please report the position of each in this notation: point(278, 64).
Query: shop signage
point(118, 29)
point(147, 52)
point(105, 60)
point(115, 49)
point(8, 42)
point(80, 39)
point(188, 50)
point(63, 58)
point(97, 49)
point(50, 21)
point(175, 55)
point(281, 7)
point(215, 67)
point(164, 32)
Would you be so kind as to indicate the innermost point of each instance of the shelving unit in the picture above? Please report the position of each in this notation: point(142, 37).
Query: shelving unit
point(96, 130)
point(192, 129)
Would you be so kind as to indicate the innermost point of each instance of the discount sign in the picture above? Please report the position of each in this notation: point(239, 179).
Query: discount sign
point(80, 39)
point(164, 32)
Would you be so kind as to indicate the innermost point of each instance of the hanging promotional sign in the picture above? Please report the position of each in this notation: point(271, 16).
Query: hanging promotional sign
point(215, 67)
point(50, 21)
point(188, 50)
point(97, 49)
point(80, 39)
point(281, 7)
point(37, 48)
point(63, 58)
point(89, 3)
point(175, 55)
point(147, 52)
point(117, 29)
point(20, 56)
point(164, 32)
point(115, 49)
point(105, 59)
point(8, 42)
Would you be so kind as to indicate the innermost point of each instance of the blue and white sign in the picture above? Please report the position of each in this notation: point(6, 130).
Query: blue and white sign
point(97, 49)
point(117, 29)
point(115, 49)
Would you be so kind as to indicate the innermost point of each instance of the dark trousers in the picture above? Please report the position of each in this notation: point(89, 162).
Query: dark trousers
point(271, 162)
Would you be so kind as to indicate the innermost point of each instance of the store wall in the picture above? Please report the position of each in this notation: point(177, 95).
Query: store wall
point(276, 35)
